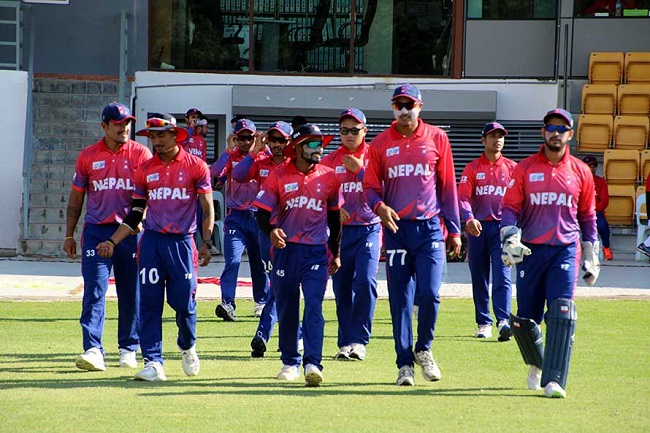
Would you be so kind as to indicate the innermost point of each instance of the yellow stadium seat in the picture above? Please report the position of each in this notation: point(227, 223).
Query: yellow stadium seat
point(606, 67)
point(631, 132)
point(641, 206)
point(637, 67)
point(645, 165)
point(599, 99)
point(595, 132)
point(621, 204)
point(621, 166)
point(634, 99)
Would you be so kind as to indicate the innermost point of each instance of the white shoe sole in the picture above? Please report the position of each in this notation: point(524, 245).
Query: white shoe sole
point(84, 364)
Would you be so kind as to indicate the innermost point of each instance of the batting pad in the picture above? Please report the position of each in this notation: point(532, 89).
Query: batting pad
point(560, 331)
point(529, 339)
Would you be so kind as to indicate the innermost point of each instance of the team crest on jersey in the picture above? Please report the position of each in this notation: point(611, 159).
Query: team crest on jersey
point(291, 187)
point(98, 165)
point(152, 177)
point(463, 179)
point(392, 151)
point(536, 177)
point(340, 169)
point(264, 173)
point(480, 176)
point(260, 194)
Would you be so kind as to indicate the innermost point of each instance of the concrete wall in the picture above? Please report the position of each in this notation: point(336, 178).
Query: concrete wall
point(13, 109)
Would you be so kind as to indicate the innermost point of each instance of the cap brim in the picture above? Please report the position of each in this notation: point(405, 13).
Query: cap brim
point(558, 116)
point(495, 129)
point(291, 153)
point(284, 134)
point(181, 133)
point(412, 98)
point(122, 120)
point(352, 116)
point(245, 129)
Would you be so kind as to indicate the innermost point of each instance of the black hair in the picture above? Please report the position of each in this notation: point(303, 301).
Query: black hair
point(298, 121)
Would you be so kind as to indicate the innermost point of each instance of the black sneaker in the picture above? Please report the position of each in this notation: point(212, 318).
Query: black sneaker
point(643, 249)
point(259, 347)
point(226, 312)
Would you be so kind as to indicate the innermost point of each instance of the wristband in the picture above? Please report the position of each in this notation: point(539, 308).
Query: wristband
point(111, 241)
point(69, 237)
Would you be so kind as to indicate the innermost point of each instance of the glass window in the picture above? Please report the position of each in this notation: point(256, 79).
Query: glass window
point(611, 8)
point(380, 37)
point(511, 9)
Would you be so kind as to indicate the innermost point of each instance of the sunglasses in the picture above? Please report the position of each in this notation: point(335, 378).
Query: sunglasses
point(557, 128)
point(245, 138)
point(279, 140)
point(313, 144)
point(354, 131)
point(154, 122)
point(400, 105)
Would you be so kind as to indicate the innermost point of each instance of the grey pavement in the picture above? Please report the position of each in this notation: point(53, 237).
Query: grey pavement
point(50, 279)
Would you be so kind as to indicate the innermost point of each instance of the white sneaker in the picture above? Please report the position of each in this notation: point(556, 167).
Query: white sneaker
point(190, 361)
point(153, 371)
point(226, 312)
point(484, 331)
point(358, 351)
point(313, 375)
point(301, 345)
point(430, 370)
point(214, 251)
point(406, 376)
point(257, 310)
point(91, 360)
point(554, 390)
point(343, 354)
point(128, 359)
point(534, 378)
point(288, 373)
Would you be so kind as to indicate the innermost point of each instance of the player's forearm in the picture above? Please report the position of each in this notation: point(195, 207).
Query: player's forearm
point(207, 222)
point(73, 212)
point(334, 224)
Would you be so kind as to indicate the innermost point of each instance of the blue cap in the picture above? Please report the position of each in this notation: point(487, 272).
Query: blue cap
point(590, 160)
point(354, 113)
point(245, 125)
point(282, 127)
point(562, 114)
point(116, 113)
point(493, 126)
point(193, 111)
point(408, 90)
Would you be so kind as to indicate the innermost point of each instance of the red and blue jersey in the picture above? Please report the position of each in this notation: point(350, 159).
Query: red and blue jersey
point(256, 168)
point(107, 177)
point(352, 185)
point(412, 175)
point(602, 194)
point(171, 191)
point(551, 203)
point(239, 195)
point(482, 187)
point(196, 145)
point(299, 202)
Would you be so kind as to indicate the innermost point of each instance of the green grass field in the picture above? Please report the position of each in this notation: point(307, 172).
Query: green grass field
point(482, 389)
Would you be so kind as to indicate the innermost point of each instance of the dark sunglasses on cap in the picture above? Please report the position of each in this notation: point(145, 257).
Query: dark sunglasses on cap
point(279, 140)
point(557, 128)
point(245, 138)
point(400, 105)
point(155, 122)
point(313, 144)
point(354, 131)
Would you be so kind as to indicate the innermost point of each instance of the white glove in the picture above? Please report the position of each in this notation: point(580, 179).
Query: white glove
point(590, 262)
point(512, 250)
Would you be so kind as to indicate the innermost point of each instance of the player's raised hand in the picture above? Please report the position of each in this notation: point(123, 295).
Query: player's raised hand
point(352, 163)
point(278, 237)
point(70, 247)
point(231, 142)
point(388, 217)
point(259, 144)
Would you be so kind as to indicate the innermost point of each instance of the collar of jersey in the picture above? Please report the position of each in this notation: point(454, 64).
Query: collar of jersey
point(395, 134)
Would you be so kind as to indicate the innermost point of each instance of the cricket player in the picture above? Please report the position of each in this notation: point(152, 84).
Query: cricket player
point(602, 201)
point(355, 284)
point(258, 165)
point(644, 247)
point(104, 172)
point(550, 201)
point(409, 182)
point(167, 186)
point(482, 186)
point(240, 226)
point(299, 211)
point(195, 143)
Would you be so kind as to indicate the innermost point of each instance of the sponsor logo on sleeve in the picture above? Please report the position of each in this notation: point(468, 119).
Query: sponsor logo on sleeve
point(463, 179)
